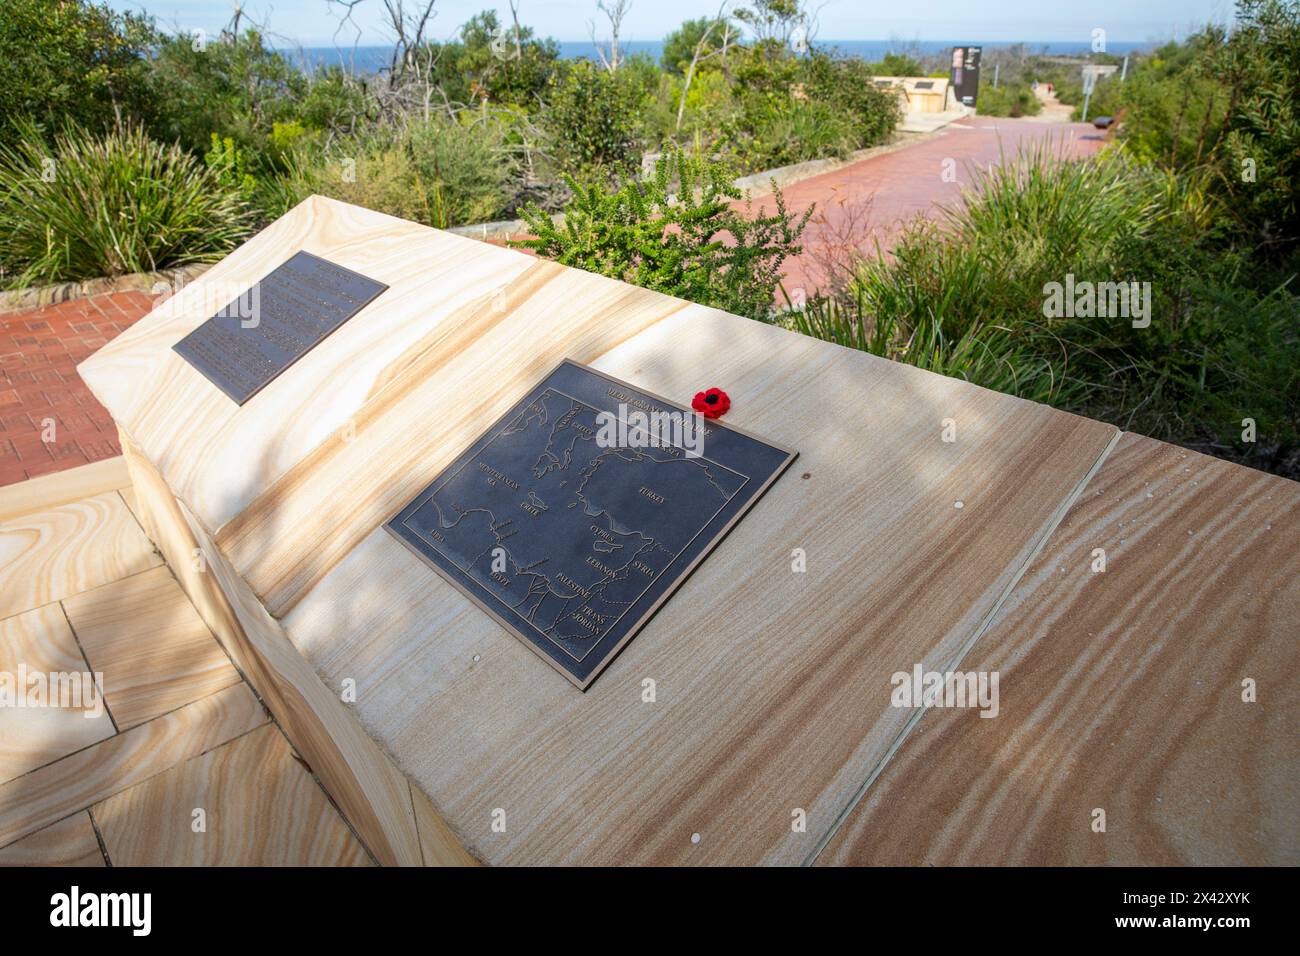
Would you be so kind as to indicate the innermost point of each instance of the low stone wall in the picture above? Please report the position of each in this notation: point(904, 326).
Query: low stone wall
point(36, 297)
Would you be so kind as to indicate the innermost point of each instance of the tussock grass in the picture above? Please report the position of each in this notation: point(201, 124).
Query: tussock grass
point(966, 297)
point(110, 205)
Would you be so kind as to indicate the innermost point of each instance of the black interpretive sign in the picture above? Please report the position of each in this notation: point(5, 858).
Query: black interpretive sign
point(576, 515)
point(277, 321)
point(965, 74)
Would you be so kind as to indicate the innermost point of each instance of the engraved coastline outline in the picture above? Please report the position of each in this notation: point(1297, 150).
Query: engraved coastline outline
point(547, 601)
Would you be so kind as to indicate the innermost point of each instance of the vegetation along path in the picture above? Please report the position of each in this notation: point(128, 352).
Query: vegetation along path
point(42, 396)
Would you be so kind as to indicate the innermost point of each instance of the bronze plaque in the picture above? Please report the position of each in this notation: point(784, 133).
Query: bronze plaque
point(577, 515)
point(259, 334)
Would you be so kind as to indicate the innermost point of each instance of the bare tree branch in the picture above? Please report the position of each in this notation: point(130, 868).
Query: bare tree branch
point(407, 22)
point(514, 15)
point(615, 11)
point(700, 56)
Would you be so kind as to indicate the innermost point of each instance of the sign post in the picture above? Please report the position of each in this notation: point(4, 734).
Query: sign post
point(1089, 81)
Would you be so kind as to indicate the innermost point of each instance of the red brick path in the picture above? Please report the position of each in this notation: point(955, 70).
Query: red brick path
point(41, 395)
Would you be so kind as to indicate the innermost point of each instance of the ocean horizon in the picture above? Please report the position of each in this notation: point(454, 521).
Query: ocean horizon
point(372, 58)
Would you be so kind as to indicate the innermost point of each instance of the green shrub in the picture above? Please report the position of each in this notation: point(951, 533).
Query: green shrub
point(793, 109)
point(231, 168)
point(461, 162)
point(70, 62)
point(897, 64)
point(1174, 121)
point(680, 46)
point(772, 131)
point(847, 84)
point(236, 87)
point(1261, 64)
point(1107, 99)
point(106, 206)
point(493, 62)
point(333, 101)
point(676, 233)
point(708, 104)
point(1008, 100)
point(1224, 103)
point(591, 120)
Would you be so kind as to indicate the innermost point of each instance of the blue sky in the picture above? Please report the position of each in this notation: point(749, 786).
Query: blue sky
point(313, 22)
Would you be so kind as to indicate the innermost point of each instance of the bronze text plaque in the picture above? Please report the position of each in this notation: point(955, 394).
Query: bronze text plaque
point(260, 333)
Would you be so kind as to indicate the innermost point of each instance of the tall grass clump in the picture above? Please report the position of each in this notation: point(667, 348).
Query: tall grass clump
point(994, 356)
point(107, 205)
point(969, 297)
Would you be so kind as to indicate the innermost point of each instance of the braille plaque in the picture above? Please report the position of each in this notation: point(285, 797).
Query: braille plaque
point(275, 322)
point(575, 517)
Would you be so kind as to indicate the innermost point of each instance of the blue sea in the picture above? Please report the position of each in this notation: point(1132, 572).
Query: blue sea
point(371, 59)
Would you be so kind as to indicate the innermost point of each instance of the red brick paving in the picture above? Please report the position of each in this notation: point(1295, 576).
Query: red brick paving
point(48, 418)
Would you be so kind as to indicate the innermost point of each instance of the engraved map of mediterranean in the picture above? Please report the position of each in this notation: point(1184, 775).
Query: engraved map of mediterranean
point(570, 542)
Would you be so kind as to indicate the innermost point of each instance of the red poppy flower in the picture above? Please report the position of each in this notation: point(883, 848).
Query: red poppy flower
point(711, 404)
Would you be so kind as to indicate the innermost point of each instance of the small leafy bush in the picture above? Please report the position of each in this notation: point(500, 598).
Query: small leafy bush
point(1173, 121)
point(847, 85)
point(227, 161)
point(590, 120)
point(773, 131)
point(1009, 100)
point(681, 45)
point(897, 64)
point(1261, 66)
point(792, 109)
point(676, 233)
point(493, 61)
point(236, 87)
point(105, 206)
point(708, 103)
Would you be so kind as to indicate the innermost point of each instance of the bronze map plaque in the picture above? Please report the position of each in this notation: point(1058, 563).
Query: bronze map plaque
point(277, 321)
point(578, 514)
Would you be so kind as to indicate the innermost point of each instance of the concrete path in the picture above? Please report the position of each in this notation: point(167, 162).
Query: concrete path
point(930, 122)
point(1054, 111)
